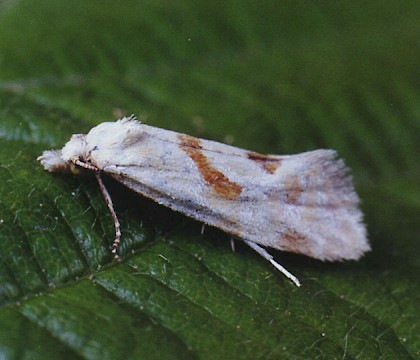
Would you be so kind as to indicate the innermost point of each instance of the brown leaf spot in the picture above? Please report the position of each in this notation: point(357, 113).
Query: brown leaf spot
point(268, 163)
point(219, 182)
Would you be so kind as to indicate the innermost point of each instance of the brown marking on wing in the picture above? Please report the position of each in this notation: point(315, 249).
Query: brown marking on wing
point(295, 242)
point(268, 163)
point(219, 182)
point(294, 190)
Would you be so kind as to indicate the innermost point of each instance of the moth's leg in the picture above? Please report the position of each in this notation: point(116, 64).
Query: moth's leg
point(108, 201)
point(232, 244)
point(268, 257)
point(84, 165)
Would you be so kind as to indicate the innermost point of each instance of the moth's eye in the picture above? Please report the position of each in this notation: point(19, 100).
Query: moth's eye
point(75, 169)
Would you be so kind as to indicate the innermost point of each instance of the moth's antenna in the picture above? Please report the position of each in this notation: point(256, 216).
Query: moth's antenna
point(110, 205)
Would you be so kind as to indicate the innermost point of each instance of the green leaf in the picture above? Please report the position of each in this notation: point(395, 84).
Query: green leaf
point(274, 77)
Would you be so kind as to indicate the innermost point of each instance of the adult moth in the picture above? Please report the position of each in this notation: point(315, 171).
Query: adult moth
point(303, 203)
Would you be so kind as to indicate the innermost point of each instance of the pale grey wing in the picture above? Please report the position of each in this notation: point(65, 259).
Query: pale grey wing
point(307, 205)
point(316, 209)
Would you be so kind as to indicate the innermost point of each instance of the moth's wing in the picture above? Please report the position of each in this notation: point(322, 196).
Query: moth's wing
point(301, 203)
point(314, 204)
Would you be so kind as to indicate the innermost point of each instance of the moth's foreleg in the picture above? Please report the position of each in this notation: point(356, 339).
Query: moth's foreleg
point(108, 200)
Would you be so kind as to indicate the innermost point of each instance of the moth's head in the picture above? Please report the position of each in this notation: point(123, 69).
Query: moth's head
point(64, 160)
point(52, 161)
point(103, 137)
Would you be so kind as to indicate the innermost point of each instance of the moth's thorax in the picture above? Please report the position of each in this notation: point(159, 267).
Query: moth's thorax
point(112, 135)
point(75, 148)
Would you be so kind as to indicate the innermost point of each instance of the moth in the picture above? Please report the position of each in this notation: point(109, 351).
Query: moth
point(303, 203)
